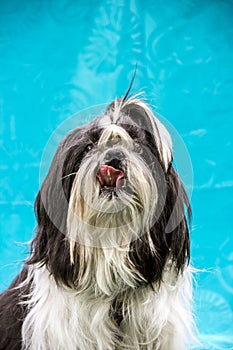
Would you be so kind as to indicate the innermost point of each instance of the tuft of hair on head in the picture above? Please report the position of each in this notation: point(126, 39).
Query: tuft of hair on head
point(117, 105)
point(130, 85)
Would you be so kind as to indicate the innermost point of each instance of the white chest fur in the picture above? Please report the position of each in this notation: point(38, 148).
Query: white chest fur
point(61, 318)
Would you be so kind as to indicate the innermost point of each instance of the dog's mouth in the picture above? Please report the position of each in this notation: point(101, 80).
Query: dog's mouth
point(110, 177)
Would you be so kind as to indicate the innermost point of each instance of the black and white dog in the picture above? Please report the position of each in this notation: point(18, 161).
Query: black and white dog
point(108, 267)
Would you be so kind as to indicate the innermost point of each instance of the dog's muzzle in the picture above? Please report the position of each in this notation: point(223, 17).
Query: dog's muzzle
point(112, 172)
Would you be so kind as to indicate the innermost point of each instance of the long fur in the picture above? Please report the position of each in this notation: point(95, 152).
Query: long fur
point(108, 268)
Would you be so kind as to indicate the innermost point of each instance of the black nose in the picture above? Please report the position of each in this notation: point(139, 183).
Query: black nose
point(114, 158)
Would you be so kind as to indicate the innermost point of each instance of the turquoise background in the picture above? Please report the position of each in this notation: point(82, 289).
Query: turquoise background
point(59, 57)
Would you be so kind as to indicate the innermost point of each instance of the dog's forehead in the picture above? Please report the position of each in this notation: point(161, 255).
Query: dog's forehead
point(123, 114)
point(137, 114)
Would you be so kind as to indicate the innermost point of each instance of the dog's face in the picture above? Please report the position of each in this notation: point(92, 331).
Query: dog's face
point(112, 188)
point(114, 195)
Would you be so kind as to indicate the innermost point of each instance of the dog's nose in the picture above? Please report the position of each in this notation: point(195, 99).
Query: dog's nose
point(111, 173)
point(114, 158)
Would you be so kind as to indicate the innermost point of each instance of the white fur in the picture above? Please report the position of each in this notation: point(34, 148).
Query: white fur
point(62, 319)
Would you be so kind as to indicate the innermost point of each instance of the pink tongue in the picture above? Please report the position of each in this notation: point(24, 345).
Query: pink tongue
point(109, 176)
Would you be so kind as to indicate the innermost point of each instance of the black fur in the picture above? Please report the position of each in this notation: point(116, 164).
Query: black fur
point(12, 314)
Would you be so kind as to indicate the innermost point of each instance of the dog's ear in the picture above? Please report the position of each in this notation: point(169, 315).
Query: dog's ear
point(50, 245)
point(177, 217)
point(169, 236)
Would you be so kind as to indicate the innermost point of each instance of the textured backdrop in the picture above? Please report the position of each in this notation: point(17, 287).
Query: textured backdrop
point(58, 57)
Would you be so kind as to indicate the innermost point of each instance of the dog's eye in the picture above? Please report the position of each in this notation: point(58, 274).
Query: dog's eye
point(89, 147)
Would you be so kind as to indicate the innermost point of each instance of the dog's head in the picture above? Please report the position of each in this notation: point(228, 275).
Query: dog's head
point(112, 188)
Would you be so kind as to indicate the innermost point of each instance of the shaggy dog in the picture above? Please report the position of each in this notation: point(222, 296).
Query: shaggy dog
point(108, 267)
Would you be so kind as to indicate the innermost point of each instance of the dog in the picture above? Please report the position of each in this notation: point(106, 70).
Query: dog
point(109, 266)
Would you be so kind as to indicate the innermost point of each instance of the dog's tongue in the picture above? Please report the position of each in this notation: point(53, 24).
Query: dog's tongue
point(109, 176)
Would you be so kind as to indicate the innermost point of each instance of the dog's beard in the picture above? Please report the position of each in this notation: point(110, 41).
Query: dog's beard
point(111, 217)
point(103, 223)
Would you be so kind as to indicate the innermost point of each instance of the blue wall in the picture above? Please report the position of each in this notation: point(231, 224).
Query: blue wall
point(58, 57)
